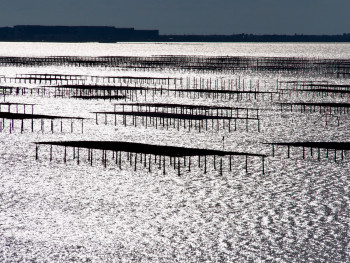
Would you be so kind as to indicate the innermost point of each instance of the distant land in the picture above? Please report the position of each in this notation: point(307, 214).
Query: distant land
point(109, 34)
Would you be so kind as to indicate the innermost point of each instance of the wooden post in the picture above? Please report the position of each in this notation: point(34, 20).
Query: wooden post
point(135, 164)
point(263, 164)
point(78, 156)
point(288, 151)
point(149, 163)
point(65, 154)
point(50, 152)
point(221, 166)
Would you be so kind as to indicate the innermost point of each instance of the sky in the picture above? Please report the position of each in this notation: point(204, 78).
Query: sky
point(186, 16)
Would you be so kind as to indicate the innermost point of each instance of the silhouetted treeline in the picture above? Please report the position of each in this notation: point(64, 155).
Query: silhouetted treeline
point(256, 38)
point(113, 34)
point(75, 34)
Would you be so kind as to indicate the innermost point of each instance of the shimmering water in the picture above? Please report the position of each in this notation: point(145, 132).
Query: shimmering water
point(298, 211)
point(320, 50)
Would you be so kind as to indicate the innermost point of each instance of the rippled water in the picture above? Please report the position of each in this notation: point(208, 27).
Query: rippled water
point(298, 211)
point(319, 50)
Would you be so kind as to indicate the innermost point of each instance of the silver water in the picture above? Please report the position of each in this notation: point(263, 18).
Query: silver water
point(298, 211)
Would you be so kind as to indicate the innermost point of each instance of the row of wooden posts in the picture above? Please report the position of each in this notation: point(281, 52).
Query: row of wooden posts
point(176, 115)
point(32, 124)
point(322, 67)
point(143, 160)
point(330, 149)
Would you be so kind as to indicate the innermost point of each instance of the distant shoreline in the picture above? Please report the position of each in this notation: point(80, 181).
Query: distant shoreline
point(105, 34)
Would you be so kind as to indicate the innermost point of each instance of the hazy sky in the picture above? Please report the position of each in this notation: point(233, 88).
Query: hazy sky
point(186, 16)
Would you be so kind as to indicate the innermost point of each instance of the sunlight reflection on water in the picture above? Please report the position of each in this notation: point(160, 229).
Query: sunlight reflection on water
point(60, 212)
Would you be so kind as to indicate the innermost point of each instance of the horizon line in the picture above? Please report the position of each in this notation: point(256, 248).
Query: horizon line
point(184, 34)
